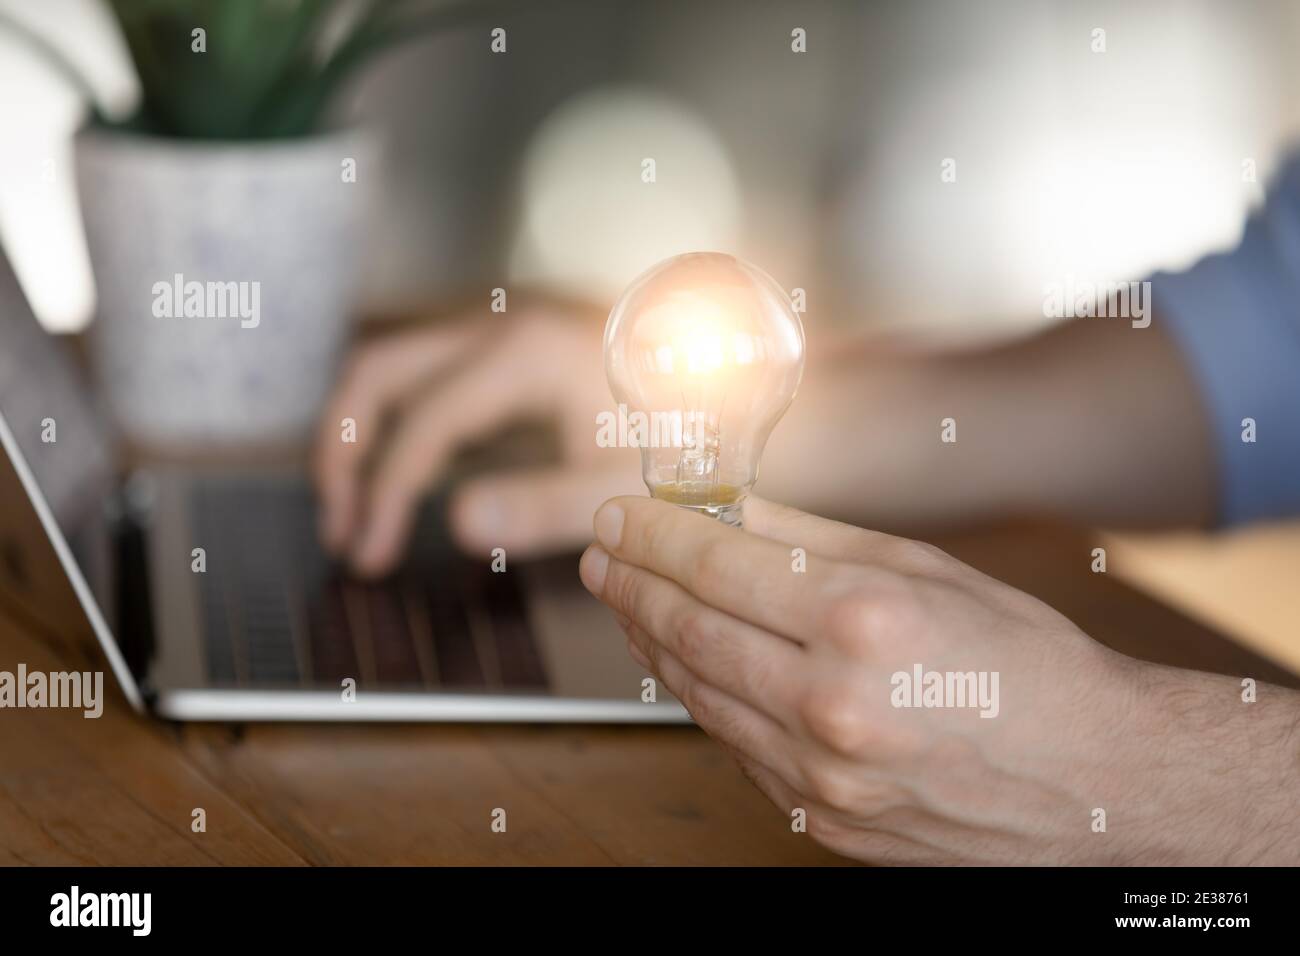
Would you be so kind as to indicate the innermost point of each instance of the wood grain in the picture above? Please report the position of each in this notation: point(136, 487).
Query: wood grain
point(120, 790)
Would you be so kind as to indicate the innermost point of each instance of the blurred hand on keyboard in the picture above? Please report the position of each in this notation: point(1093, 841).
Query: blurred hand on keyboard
point(433, 390)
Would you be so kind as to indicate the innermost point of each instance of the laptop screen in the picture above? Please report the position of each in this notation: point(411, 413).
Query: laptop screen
point(42, 588)
point(55, 439)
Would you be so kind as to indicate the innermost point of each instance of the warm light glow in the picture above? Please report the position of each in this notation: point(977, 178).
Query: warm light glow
point(687, 333)
point(716, 341)
point(745, 349)
point(701, 334)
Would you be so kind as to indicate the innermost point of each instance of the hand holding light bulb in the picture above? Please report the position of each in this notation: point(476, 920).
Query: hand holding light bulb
point(710, 345)
point(793, 669)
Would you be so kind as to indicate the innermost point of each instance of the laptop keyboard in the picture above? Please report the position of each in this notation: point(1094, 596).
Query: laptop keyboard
point(277, 612)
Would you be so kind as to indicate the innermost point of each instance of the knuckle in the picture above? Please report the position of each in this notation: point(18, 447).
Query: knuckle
point(404, 475)
point(643, 534)
point(696, 704)
point(711, 565)
point(836, 718)
point(850, 618)
point(831, 787)
point(622, 589)
point(926, 557)
point(649, 647)
point(694, 633)
point(861, 621)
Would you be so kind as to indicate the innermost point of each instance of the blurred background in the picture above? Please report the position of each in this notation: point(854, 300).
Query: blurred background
point(822, 165)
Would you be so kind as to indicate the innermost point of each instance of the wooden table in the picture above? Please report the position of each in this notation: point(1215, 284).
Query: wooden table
point(121, 789)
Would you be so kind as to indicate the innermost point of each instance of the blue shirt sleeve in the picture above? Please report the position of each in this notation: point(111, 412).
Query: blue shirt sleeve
point(1236, 318)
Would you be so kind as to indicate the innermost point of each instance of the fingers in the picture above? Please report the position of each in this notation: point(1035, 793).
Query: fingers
point(379, 377)
point(636, 653)
point(845, 542)
point(831, 539)
point(730, 721)
point(773, 760)
point(781, 794)
point(472, 402)
point(762, 670)
point(748, 576)
point(535, 512)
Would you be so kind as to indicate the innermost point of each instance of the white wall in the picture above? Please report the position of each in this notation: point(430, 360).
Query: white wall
point(40, 225)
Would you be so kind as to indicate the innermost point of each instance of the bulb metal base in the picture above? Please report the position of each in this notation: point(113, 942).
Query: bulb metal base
point(730, 514)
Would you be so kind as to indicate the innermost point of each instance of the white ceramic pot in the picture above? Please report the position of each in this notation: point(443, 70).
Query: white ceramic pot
point(225, 275)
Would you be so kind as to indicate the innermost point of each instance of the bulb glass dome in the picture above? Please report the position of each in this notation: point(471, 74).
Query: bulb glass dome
point(705, 351)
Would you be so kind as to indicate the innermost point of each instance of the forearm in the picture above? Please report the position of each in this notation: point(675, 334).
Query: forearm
point(1213, 778)
point(1092, 419)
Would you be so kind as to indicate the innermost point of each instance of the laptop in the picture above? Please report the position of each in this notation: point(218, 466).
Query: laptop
point(262, 625)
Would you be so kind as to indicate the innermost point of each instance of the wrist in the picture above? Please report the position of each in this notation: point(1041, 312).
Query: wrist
point(1222, 774)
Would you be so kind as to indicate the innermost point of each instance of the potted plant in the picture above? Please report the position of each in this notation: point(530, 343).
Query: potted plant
point(223, 219)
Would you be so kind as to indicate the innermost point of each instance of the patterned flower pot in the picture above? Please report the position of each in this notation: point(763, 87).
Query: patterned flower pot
point(225, 275)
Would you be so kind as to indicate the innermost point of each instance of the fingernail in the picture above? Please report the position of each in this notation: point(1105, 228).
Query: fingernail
point(592, 568)
point(609, 525)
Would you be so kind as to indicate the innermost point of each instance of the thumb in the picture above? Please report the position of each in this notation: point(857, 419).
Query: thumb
point(535, 512)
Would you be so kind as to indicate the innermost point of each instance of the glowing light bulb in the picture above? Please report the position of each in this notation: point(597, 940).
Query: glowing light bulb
point(708, 351)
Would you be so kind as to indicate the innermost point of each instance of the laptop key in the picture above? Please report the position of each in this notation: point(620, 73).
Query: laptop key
point(277, 610)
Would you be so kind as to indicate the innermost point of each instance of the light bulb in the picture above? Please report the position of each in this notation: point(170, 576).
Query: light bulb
point(705, 352)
